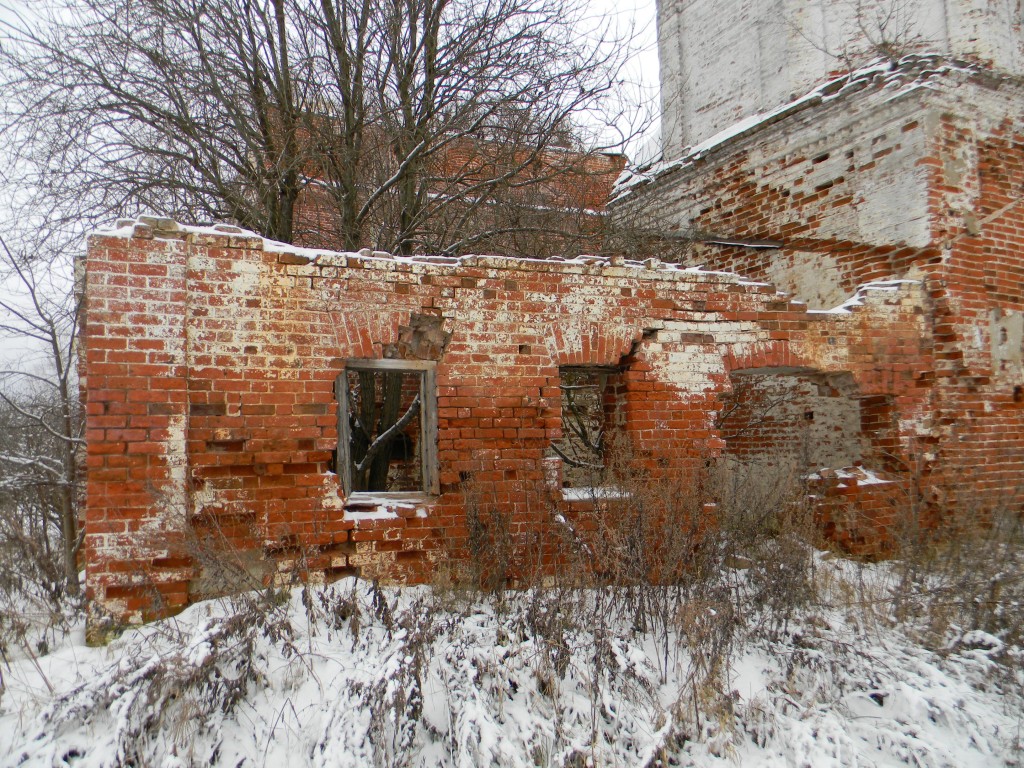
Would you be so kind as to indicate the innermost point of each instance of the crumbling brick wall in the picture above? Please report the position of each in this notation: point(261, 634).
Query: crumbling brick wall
point(913, 171)
point(210, 358)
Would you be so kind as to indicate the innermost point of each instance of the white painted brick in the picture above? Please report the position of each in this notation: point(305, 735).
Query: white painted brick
point(723, 60)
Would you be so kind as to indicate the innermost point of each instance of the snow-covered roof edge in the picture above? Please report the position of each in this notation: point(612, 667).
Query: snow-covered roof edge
point(906, 74)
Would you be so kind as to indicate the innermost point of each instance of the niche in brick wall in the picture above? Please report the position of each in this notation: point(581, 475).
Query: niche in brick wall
point(791, 420)
point(880, 428)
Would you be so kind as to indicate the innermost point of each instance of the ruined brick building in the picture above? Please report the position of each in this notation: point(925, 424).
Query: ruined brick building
point(827, 146)
point(237, 387)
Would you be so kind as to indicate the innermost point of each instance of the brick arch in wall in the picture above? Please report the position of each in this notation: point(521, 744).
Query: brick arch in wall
point(774, 354)
point(801, 403)
point(797, 419)
point(408, 333)
point(364, 333)
point(878, 413)
point(590, 343)
point(798, 426)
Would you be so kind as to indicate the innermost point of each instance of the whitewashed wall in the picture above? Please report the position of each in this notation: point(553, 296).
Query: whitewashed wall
point(722, 60)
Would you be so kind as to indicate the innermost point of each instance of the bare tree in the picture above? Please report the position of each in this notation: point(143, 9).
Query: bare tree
point(868, 30)
point(40, 419)
point(401, 124)
point(886, 28)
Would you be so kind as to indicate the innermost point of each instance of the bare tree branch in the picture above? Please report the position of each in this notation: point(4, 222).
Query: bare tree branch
point(228, 110)
point(388, 435)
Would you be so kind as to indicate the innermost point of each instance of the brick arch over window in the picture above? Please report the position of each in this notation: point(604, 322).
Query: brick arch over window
point(591, 343)
point(364, 334)
point(774, 354)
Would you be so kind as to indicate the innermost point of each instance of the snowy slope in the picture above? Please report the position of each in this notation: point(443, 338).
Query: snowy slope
point(351, 675)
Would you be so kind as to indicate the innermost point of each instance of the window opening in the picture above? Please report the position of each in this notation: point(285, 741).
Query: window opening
point(791, 419)
point(387, 426)
point(590, 414)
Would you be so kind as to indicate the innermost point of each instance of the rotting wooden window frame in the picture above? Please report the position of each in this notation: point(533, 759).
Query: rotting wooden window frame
point(427, 371)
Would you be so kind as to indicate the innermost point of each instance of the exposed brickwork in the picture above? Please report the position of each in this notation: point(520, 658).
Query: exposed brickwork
point(860, 511)
point(884, 179)
point(137, 411)
point(210, 359)
point(552, 202)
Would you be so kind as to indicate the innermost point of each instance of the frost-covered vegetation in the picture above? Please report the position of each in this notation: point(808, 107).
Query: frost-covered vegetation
point(789, 657)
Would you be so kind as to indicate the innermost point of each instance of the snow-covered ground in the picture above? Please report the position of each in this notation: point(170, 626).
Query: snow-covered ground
point(351, 675)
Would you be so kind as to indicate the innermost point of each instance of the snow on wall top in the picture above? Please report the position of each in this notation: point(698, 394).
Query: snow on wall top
point(901, 77)
point(166, 228)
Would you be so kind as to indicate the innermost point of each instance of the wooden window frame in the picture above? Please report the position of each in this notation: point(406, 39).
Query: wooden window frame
point(427, 371)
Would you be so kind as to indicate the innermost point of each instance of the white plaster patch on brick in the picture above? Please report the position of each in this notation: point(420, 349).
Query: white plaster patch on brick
point(331, 499)
point(917, 427)
point(972, 344)
point(891, 204)
point(141, 542)
point(813, 277)
point(1006, 336)
point(960, 183)
point(176, 488)
point(245, 280)
point(693, 365)
point(167, 324)
point(709, 274)
point(989, 30)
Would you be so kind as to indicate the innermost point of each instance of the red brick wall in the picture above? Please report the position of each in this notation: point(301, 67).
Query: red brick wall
point(922, 184)
point(979, 309)
point(557, 198)
point(210, 358)
point(136, 379)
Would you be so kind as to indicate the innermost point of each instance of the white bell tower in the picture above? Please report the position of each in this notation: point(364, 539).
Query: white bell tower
point(724, 60)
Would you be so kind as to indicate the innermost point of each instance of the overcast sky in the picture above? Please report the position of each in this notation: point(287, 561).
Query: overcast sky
point(641, 15)
point(637, 17)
